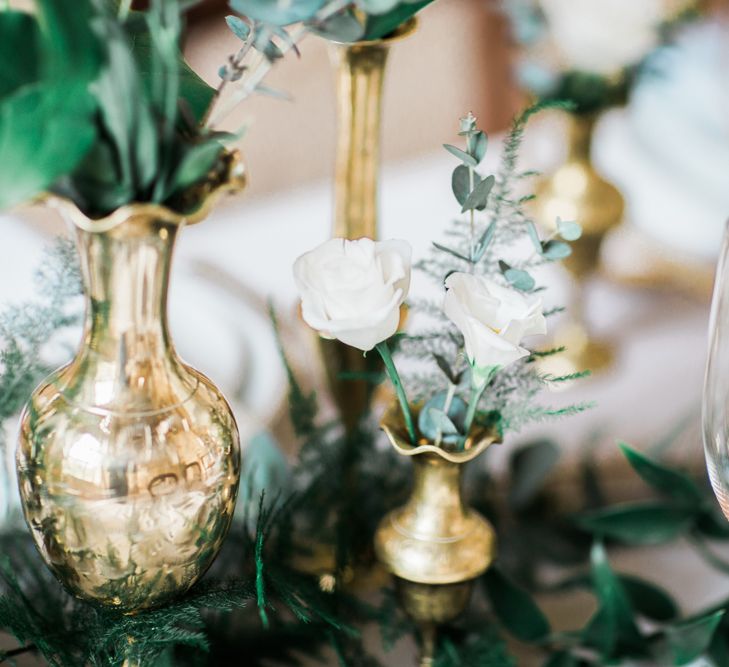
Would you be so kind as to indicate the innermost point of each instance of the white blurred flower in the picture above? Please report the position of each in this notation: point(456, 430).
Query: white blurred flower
point(493, 319)
point(604, 36)
point(353, 290)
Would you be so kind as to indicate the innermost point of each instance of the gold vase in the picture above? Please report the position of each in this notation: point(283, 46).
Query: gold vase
point(360, 72)
point(434, 545)
point(577, 192)
point(128, 459)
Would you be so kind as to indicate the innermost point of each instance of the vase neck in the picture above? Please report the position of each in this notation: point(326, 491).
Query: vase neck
point(580, 137)
point(126, 276)
point(437, 494)
point(127, 361)
point(360, 73)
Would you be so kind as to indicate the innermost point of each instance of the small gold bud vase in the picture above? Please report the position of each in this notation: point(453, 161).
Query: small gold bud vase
point(575, 191)
point(128, 459)
point(434, 545)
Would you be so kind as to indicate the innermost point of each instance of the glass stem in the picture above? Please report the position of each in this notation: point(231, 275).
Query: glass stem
point(394, 376)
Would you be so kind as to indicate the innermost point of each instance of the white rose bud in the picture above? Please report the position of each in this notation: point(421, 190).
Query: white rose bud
point(493, 319)
point(353, 290)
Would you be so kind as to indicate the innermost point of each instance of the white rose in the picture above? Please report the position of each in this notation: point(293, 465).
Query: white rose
point(353, 290)
point(604, 36)
point(493, 319)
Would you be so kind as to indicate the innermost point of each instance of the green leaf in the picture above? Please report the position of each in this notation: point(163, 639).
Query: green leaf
point(20, 42)
point(640, 523)
point(534, 236)
point(450, 251)
point(277, 12)
point(515, 608)
point(555, 250)
point(484, 241)
point(561, 659)
point(612, 628)
point(461, 155)
point(479, 144)
point(568, 230)
point(238, 27)
point(480, 195)
point(196, 164)
point(63, 110)
point(712, 524)
point(382, 25)
point(461, 183)
point(517, 278)
point(667, 481)
point(343, 27)
point(433, 419)
point(529, 466)
point(648, 599)
point(690, 639)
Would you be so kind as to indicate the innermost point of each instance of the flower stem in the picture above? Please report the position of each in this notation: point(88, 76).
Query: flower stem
point(384, 351)
point(476, 393)
point(446, 408)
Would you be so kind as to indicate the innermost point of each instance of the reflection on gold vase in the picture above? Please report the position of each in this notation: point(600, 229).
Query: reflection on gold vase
point(434, 545)
point(360, 71)
point(128, 459)
point(577, 192)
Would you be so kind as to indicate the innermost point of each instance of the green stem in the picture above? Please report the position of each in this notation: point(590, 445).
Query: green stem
point(384, 351)
point(476, 393)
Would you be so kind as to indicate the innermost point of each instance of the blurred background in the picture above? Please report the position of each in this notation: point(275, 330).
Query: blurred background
point(641, 161)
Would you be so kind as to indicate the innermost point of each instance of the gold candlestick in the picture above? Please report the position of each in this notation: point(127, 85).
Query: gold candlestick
point(360, 74)
point(577, 192)
point(434, 545)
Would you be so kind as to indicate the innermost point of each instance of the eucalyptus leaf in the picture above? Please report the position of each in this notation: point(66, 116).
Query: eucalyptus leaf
point(277, 12)
point(666, 481)
point(517, 278)
point(461, 183)
point(534, 236)
point(461, 155)
point(569, 230)
point(433, 419)
point(555, 250)
point(478, 199)
point(450, 251)
point(238, 27)
point(515, 608)
point(343, 27)
point(638, 523)
point(484, 241)
point(479, 144)
point(690, 639)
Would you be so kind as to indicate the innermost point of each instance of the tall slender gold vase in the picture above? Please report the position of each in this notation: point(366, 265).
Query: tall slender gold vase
point(434, 545)
point(577, 192)
point(360, 72)
point(128, 459)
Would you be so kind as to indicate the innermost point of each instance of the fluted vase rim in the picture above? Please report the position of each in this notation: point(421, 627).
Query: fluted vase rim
point(232, 180)
point(393, 424)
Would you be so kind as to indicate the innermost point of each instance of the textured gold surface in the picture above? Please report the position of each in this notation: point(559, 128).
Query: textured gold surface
point(128, 459)
point(434, 545)
point(577, 192)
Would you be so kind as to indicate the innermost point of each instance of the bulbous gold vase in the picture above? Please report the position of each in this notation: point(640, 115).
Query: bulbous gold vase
point(128, 459)
point(575, 191)
point(434, 545)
